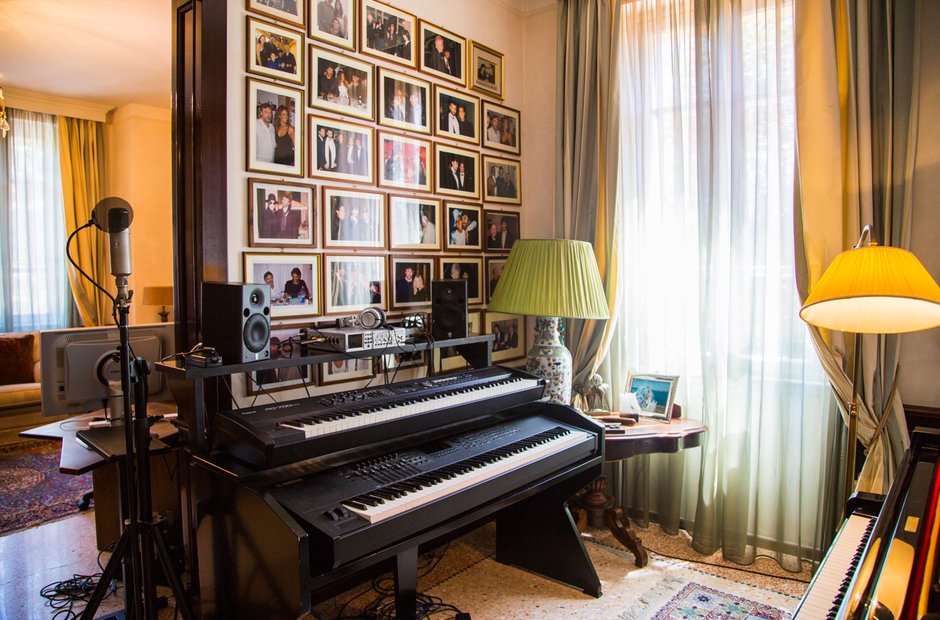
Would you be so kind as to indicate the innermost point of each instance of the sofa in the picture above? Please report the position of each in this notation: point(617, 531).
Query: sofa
point(19, 370)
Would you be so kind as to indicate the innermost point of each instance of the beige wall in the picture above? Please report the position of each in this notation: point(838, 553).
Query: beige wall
point(139, 151)
point(920, 353)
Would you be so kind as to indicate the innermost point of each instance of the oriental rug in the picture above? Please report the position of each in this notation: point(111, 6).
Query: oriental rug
point(32, 491)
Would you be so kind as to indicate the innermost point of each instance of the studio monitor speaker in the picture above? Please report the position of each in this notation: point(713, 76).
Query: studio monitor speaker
point(448, 309)
point(236, 321)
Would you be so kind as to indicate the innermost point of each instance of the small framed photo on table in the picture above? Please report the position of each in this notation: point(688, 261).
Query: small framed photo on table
point(275, 140)
point(463, 233)
point(353, 219)
point(503, 180)
point(501, 128)
point(281, 214)
point(654, 395)
point(404, 162)
point(486, 70)
point(465, 268)
point(387, 33)
point(333, 21)
point(294, 280)
point(289, 11)
point(341, 84)
point(285, 344)
point(275, 52)
point(509, 335)
point(456, 115)
point(414, 223)
point(443, 53)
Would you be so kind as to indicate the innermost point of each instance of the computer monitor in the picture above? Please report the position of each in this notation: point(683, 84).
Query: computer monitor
point(76, 364)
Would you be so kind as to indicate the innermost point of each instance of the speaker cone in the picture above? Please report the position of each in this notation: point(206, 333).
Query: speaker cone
point(256, 333)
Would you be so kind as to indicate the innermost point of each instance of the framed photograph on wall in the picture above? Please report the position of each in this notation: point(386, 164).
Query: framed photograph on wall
point(387, 32)
point(353, 282)
point(501, 128)
point(414, 223)
point(463, 227)
point(285, 344)
point(294, 280)
point(509, 333)
point(411, 276)
point(456, 171)
point(486, 70)
point(281, 214)
point(494, 271)
point(443, 53)
point(275, 143)
point(275, 52)
point(340, 151)
point(333, 21)
point(404, 162)
point(353, 218)
point(288, 11)
point(345, 370)
point(404, 101)
point(501, 229)
point(465, 268)
point(503, 180)
point(654, 395)
point(456, 115)
point(447, 359)
point(341, 84)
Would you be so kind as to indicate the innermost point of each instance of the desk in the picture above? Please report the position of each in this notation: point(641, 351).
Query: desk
point(76, 459)
point(598, 509)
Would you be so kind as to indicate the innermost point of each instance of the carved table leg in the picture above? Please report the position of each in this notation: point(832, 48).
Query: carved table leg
point(597, 509)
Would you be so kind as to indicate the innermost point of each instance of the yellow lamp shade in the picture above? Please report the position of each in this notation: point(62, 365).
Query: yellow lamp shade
point(551, 278)
point(874, 290)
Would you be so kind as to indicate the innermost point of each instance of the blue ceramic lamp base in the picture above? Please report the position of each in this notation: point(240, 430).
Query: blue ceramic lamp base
point(549, 359)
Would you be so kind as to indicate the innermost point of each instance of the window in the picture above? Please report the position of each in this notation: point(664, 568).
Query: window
point(34, 290)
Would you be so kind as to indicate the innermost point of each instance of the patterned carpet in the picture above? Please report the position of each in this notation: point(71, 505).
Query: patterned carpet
point(32, 491)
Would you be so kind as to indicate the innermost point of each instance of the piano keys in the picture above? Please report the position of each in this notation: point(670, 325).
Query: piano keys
point(300, 498)
point(883, 562)
point(280, 433)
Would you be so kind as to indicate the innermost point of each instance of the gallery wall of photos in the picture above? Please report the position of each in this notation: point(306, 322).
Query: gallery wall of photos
point(379, 157)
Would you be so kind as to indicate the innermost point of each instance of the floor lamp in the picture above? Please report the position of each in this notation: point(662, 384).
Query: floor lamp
point(871, 289)
point(551, 279)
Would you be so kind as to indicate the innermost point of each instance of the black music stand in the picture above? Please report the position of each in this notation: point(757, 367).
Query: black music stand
point(141, 534)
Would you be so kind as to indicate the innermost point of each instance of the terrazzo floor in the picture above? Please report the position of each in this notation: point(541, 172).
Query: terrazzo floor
point(465, 576)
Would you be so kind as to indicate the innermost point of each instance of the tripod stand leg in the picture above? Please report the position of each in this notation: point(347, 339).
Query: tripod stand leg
point(107, 576)
point(182, 603)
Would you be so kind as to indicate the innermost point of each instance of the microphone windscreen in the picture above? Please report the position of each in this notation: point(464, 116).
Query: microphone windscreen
point(118, 219)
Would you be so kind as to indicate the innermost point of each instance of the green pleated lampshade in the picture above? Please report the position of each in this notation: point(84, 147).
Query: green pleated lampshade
point(551, 278)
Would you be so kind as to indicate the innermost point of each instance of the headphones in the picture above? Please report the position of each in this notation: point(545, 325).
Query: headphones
point(372, 318)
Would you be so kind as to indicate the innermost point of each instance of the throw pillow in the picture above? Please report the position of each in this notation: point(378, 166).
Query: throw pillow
point(16, 358)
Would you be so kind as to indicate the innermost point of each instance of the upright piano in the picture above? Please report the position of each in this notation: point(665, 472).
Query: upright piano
point(294, 500)
point(883, 562)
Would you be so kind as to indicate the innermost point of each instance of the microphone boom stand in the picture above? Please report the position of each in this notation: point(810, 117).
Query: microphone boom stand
point(141, 534)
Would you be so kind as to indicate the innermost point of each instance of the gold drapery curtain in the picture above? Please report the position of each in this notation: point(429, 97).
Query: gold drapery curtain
point(587, 165)
point(857, 83)
point(81, 154)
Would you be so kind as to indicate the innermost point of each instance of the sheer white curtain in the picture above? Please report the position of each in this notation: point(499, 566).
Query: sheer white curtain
point(34, 291)
point(708, 272)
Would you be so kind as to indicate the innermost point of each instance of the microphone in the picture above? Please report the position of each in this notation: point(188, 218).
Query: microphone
point(119, 222)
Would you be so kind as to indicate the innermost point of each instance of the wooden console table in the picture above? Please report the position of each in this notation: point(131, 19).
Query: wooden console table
point(597, 509)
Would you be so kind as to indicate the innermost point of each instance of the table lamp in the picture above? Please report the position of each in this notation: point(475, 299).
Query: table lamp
point(551, 279)
point(159, 296)
point(871, 289)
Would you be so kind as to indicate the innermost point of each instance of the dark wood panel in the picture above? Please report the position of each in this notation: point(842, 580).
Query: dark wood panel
point(921, 415)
